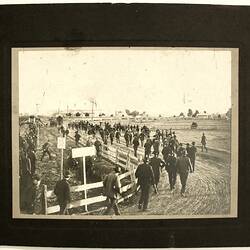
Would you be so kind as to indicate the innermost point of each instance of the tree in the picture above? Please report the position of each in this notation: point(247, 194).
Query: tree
point(229, 113)
point(127, 111)
point(205, 112)
point(195, 113)
point(190, 113)
point(134, 113)
point(78, 114)
point(86, 114)
point(181, 114)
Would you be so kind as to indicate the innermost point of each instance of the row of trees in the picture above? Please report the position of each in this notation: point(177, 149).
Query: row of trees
point(190, 113)
point(134, 113)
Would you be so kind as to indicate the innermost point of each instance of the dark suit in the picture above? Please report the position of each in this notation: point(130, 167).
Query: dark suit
point(183, 166)
point(156, 164)
point(62, 191)
point(145, 176)
point(111, 186)
point(171, 169)
point(192, 155)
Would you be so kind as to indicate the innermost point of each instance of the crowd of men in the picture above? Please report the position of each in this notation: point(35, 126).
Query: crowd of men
point(177, 158)
point(29, 180)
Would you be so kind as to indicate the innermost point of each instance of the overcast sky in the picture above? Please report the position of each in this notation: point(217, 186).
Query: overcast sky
point(163, 81)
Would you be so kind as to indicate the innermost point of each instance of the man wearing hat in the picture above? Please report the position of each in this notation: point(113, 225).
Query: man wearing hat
point(145, 176)
point(157, 164)
point(112, 185)
point(62, 191)
point(183, 167)
point(192, 154)
point(171, 169)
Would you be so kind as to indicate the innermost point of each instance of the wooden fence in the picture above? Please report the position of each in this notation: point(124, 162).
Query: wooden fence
point(117, 156)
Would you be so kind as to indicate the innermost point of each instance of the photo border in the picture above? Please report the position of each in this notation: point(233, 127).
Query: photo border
point(125, 25)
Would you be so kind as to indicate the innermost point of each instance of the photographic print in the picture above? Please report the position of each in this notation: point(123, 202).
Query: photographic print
point(125, 132)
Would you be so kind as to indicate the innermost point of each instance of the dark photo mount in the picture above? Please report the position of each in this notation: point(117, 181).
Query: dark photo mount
point(163, 25)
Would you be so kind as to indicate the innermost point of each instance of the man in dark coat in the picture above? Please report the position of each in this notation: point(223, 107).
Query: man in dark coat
point(203, 142)
point(183, 166)
point(46, 150)
point(126, 137)
point(98, 147)
point(62, 191)
point(180, 149)
point(171, 169)
point(192, 154)
point(112, 185)
point(117, 136)
point(165, 152)
point(77, 137)
point(157, 165)
point(156, 146)
point(34, 196)
point(136, 145)
point(142, 137)
point(147, 147)
point(145, 176)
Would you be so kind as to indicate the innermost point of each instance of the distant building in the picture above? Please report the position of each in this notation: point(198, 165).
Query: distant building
point(203, 116)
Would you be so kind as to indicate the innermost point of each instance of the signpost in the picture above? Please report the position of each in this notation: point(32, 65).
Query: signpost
point(83, 152)
point(61, 144)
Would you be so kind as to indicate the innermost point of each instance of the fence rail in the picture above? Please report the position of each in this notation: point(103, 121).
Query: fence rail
point(116, 156)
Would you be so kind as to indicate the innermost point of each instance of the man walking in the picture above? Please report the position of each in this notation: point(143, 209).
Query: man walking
point(192, 154)
point(117, 136)
point(136, 145)
point(46, 150)
point(142, 137)
point(183, 166)
point(203, 142)
point(147, 147)
point(112, 185)
point(77, 137)
point(126, 137)
point(145, 176)
point(62, 191)
point(171, 169)
point(98, 146)
point(157, 165)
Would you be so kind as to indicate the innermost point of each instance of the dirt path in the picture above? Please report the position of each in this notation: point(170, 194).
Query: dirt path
point(208, 191)
point(208, 188)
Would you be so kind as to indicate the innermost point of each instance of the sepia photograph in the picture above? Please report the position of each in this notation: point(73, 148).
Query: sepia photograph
point(124, 132)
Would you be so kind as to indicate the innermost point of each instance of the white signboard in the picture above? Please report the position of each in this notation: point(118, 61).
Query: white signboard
point(61, 142)
point(82, 152)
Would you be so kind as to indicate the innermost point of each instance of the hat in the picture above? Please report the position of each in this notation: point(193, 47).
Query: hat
point(66, 174)
point(117, 169)
point(37, 177)
point(193, 143)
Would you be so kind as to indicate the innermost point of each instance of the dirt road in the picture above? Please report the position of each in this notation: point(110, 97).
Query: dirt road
point(208, 191)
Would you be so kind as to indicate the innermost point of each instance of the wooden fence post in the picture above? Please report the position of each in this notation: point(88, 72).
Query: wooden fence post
point(45, 203)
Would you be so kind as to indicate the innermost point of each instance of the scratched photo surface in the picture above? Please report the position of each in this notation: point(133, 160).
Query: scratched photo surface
point(125, 132)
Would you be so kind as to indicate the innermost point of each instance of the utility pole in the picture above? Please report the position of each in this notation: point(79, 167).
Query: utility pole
point(93, 102)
